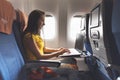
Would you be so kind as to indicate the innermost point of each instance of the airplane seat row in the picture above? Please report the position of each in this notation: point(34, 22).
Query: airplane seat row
point(106, 47)
point(12, 60)
point(12, 53)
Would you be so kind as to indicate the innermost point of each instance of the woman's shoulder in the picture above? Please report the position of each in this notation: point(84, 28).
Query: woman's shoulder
point(34, 36)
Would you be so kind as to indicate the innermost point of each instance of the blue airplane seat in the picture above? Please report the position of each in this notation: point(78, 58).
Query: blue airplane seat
point(116, 32)
point(11, 60)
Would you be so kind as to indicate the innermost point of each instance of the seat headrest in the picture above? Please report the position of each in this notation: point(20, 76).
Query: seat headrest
point(7, 16)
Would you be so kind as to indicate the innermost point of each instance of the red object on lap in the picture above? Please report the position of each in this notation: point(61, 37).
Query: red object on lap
point(41, 73)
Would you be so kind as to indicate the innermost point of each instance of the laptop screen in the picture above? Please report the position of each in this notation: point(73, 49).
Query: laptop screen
point(79, 43)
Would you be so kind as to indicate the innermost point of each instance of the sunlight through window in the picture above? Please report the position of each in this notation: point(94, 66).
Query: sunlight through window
point(49, 29)
point(74, 27)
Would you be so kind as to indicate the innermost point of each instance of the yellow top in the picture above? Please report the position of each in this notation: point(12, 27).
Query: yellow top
point(40, 43)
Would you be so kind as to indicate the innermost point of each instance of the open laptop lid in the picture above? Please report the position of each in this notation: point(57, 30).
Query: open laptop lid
point(79, 43)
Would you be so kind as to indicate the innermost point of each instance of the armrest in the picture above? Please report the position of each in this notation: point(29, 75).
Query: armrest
point(75, 56)
point(46, 63)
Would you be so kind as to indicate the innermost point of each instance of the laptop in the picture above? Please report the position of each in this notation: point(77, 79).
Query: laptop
point(77, 50)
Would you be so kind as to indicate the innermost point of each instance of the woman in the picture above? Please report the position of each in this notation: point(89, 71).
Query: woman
point(34, 44)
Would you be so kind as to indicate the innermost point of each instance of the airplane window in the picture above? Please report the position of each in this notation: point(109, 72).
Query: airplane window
point(74, 27)
point(49, 29)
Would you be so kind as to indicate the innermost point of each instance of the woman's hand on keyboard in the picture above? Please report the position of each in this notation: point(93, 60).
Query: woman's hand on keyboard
point(63, 50)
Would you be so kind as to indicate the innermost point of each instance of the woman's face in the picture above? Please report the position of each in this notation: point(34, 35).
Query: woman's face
point(41, 21)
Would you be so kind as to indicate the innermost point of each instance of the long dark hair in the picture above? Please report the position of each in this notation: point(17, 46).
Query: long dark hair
point(33, 19)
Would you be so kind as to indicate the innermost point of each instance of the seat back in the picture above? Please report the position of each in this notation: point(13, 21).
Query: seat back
point(115, 42)
point(100, 32)
point(87, 41)
point(105, 37)
point(11, 60)
point(18, 32)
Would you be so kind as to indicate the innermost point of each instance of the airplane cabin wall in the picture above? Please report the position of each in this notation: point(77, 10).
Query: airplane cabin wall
point(23, 5)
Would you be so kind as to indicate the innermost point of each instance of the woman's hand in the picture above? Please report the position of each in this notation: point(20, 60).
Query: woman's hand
point(67, 50)
point(63, 50)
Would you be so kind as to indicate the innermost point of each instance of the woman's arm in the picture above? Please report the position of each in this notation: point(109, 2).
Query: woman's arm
point(31, 44)
point(49, 50)
point(46, 49)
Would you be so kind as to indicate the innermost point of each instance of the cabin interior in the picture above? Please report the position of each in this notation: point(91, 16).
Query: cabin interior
point(62, 11)
point(91, 25)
